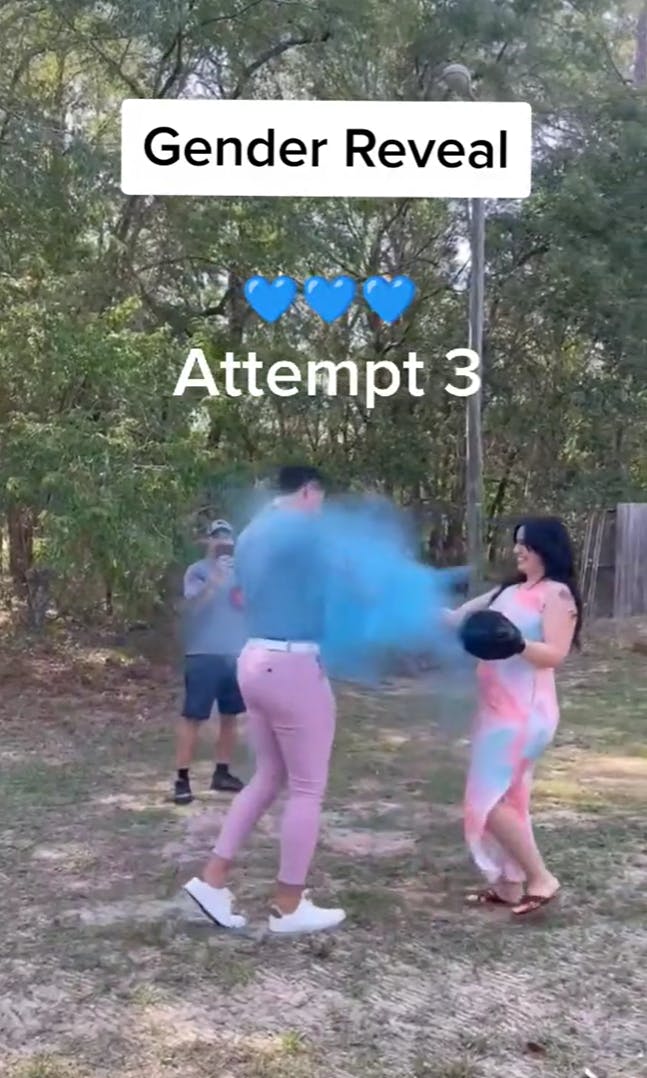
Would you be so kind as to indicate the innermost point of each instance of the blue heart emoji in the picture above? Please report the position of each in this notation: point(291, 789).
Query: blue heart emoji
point(389, 299)
point(270, 299)
point(329, 299)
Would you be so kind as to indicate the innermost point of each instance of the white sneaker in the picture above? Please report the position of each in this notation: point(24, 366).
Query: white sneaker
point(215, 902)
point(306, 918)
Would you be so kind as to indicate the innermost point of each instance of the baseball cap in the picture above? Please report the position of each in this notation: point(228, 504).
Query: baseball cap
point(219, 526)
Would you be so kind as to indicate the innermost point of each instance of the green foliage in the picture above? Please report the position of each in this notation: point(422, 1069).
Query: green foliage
point(102, 295)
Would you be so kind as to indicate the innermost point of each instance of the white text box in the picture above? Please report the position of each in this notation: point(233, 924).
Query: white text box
point(355, 149)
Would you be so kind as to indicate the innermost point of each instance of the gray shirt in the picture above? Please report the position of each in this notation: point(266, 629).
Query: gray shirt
point(212, 624)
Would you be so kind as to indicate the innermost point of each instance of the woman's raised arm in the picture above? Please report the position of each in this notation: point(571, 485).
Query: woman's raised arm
point(481, 602)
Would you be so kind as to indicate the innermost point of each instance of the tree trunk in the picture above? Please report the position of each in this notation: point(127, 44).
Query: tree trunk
point(454, 552)
point(236, 315)
point(21, 546)
point(38, 583)
point(497, 506)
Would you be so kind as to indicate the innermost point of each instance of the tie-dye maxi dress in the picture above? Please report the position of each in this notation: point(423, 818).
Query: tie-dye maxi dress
point(516, 721)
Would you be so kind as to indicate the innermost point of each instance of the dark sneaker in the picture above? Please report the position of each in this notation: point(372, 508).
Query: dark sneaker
point(224, 780)
point(182, 795)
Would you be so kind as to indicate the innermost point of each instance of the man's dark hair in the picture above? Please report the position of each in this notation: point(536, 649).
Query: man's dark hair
point(292, 477)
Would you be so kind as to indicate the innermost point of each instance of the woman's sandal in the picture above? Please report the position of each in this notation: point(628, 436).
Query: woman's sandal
point(532, 903)
point(487, 897)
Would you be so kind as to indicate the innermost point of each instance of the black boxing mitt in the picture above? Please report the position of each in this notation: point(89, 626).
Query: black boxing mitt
point(489, 635)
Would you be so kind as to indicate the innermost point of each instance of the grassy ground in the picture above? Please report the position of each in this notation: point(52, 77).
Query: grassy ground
point(105, 970)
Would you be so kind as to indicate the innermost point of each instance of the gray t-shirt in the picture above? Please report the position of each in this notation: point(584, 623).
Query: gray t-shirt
point(212, 625)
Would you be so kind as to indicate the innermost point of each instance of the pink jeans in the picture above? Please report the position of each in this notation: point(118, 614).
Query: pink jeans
point(291, 722)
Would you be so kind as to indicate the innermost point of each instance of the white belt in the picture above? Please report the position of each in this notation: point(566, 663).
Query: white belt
point(303, 646)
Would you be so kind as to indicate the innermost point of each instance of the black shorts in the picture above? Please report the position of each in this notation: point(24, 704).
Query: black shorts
point(209, 680)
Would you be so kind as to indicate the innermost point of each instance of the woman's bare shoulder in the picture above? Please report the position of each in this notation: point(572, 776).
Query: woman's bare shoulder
point(558, 593)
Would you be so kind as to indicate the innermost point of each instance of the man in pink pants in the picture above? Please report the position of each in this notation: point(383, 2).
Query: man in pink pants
point(281, 571)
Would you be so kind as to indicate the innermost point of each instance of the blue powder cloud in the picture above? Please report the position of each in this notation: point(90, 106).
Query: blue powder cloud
point(379, 597)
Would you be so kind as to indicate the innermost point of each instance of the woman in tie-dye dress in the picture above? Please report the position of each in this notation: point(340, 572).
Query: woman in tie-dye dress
point(518, 715)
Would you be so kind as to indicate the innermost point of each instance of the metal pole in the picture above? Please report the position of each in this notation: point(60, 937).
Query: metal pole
point(473, 432)
point(458, 79)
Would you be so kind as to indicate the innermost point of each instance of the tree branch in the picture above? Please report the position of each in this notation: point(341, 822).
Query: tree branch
point(603, 42)
point(232, 14)
point(177, 318)
point(21, 69)
point(115, 67)
point(174, 75)
point(272, 54)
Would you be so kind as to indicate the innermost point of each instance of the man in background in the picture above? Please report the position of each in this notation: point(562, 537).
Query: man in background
point(214, 634)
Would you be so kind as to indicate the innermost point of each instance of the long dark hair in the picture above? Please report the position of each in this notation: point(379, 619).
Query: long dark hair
point(548, 537)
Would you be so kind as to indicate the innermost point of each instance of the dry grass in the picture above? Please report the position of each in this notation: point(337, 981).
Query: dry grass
point(107, 971)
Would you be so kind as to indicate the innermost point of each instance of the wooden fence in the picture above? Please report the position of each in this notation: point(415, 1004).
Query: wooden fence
point(611, 547)
point(630, 591)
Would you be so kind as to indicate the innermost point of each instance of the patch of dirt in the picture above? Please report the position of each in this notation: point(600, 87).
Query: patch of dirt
point(201, 829)
point(357, 843)
point(620, 633)
point(623, 768)
point(135, 910)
